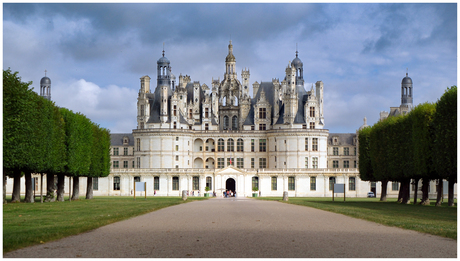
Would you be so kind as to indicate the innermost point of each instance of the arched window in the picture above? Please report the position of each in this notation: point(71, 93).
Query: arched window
point(234, 122)
point(226, 122)
point(230, 145)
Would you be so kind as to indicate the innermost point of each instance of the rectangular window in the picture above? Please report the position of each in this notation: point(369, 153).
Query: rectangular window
point(196, 183)
point(156, 183)
point(142, 110)
point(175, 183)
point(262, 113)
point(174, 125)
point(230, 145)
point(394, 186)
point(262, 145)
point(138, 162)
point(240, 163)
point(177, 157)
point(351, 184)
point(252, 145)
point(255, 182)
point(230, 162)
point(252, 163)
point(220, 163)
point(291, 183)
point(306, 144)
point(206, 112)
point(239, 145)
point(315, 162)
point(312, 125)
point(346, 151)
point(95, 183)
point(304, 126)
point(262, 163)
point(138, 144)
point(115, 151)
point(331, 183)
point(262, 126)
point(220, 145)
point(274, 183)
point(314, 145)
point(115, 164)
point(206, 126)
point(335, 151)
point(313, 183)
point(125, 164)
point(133, 164)
point(142, 125)
point(306, 162)
point(355, 165)
point(116, 183)
point(177, 147)
point(125, 151)
point(174, 110)
point(346, 164)
point(354, 150)
point(335, 164)
point(209, 182)
point(312, 111)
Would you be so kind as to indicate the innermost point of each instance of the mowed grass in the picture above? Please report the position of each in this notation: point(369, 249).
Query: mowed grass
point(26, 224)
point(440, 221)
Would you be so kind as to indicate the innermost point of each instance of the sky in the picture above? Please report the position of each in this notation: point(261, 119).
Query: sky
point(95, 54)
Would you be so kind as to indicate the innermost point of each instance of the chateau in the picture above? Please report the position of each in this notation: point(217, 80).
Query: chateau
point(191, 136)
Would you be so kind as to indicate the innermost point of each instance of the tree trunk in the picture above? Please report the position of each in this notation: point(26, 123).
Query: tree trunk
point(440, 193)
point(406, 191)
point(5, 178)
point(29, 188)
point(450, 201)
point(16, 196)
point(49, 188)
point(400, 193)
point(76, 188)
point(383, 195)
point(425, 196)
point(60, 188)
point(415, 190)
point(89, 188)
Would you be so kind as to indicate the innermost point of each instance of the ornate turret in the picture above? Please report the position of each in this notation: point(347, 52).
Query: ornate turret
point(406, 92)
point(45, 87)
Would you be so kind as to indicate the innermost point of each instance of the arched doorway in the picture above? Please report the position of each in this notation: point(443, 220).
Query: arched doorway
point(230, 184)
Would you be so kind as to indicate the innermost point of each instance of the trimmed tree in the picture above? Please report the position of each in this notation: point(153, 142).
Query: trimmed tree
point(100, 157)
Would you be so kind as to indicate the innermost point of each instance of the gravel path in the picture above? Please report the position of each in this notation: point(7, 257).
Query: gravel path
point(243, 227)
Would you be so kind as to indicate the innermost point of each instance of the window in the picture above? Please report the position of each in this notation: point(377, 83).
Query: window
point(262, 145)
point(314, 145)
point(209, 182)
point(174, 110)
point(190, 113)
point(335, 151)
point(133, 164)
point(177, 138)
point(226, 123)
point(156, 183)
point(142, 125)
point(239, 145)
point(125, 164)
point(306, 144)
point(196, 183)
point(335, 164)
point(125, 151)
point(95, 183)
point(252, 146)
point(230, 162)
point(291, 183)
point(312, 125)
point(312, 111)
point(331, 183)
point(138, 162)
point(306, 162)
point(394, 186)
point(252, 127)
point(346, 151)
point(177, 157)
point(351, 184)
point(354, 150)
point(262, 126)
point(220, 145)
point(220, 163)
point(115, 151)
point(315, 162)
point(116, 183)
point(206, 126)
point(313, 183)
point(230, 145)
point(262, 163)
point(255, 182)
point(206, 112)
point(234, 123)
point(174, 125)
point(304, 126)
point(142, 110)
point(115, 164)
point(138, 144)
point(274, 183)
point(262, 113)
point(346, 164)
point(240, 163)
point(355, 164)
point(252, 163)
point(175, 183)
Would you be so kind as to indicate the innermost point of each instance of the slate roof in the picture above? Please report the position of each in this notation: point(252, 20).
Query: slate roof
point(116, 139)
point(343, 138)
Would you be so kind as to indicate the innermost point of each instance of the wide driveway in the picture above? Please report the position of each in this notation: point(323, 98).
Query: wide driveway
point(242, 227)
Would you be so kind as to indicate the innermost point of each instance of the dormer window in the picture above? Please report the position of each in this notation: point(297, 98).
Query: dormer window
point(125, 140)
point(335, 140)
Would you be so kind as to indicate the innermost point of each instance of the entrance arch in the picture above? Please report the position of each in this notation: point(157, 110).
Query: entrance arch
point(230, 184)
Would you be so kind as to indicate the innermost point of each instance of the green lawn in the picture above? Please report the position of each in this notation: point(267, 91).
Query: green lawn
point(26, 224)
point(441, 221)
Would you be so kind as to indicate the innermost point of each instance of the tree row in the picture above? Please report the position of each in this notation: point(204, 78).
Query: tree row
point(421, 145)
point(39, 137)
